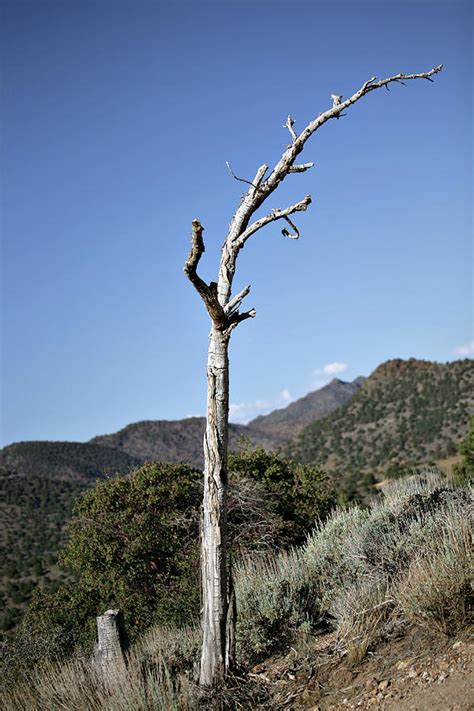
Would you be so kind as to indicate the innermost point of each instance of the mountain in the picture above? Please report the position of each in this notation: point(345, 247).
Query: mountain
point(291, 420)
point(175, 440)
point(407, 412)
point(181, 440)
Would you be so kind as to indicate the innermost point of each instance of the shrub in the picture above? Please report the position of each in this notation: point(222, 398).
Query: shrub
point(134, 545)
point(349, 571)
point(437, 588)
point(464, 471)
point(303, 492)
point(273, 599)
point(359, 612)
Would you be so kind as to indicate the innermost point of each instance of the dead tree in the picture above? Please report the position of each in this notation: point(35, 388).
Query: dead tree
point(223, 307)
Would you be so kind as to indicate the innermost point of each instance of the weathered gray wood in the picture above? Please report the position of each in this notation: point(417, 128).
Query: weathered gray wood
point(218, 603)
point(109, 651)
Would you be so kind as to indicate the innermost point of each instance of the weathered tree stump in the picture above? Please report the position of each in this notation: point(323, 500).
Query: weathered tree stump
point(109, 652)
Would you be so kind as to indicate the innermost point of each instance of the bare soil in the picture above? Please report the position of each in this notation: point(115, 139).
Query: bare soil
point(421, 671)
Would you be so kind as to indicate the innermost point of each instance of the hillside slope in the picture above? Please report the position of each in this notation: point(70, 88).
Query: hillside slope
point(39, 482)
point(74, 461)
point(289, 421)
point(407, 412)
point(175, 440)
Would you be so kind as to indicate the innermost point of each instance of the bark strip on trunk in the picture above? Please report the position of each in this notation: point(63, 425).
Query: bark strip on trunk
point(213, 543)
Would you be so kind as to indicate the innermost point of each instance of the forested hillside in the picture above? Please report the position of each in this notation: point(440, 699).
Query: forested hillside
point(39, 481)
point(407, 412)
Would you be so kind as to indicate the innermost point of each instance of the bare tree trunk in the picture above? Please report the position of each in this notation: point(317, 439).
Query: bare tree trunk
point(213, 543)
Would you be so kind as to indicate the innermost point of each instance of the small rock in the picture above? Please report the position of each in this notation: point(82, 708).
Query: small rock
point(371, 682)
point(458, 644)
point(292, 677)
point(379, 696)
point(403, 664)
point(384, 684)
point(412, 673)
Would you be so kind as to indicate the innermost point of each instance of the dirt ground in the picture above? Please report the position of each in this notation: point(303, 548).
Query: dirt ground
point(421, 671)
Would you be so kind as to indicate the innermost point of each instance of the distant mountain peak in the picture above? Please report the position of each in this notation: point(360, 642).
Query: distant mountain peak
point(399, 366)
point(288, 421)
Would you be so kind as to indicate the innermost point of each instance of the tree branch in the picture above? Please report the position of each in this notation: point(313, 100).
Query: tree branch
point(207, 293)
point(257, 179)
point(235, 302)
point(289, 125)
point(260, 189)
point(285, 163)
point(237, 318)
point(271, 217)
point(286, 233)
point(300, 168)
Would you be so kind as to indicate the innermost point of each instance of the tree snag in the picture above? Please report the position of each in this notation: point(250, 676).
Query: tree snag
point(224, 310)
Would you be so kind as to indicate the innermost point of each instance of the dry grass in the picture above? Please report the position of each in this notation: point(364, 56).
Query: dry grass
point(360, 614)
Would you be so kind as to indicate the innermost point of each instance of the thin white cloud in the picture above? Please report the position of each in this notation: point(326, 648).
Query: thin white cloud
point(331, 369)
point(465, 350)
point(243, 412)
point(321, 376)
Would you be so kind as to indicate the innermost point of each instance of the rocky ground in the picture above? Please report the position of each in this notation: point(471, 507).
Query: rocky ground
point(421, 671)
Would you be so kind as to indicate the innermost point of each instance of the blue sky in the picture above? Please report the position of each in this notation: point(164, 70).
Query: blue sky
point(118, 117)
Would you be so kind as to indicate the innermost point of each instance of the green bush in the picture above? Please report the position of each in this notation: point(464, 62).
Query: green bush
point(132, 545)
point(464, 472)
point(437, 590)
point(303, 492)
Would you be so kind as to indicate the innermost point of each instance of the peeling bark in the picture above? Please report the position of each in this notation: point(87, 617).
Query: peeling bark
point(213, 543)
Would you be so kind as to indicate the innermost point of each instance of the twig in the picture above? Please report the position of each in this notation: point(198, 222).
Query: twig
point(242, 180)
point(289, 125)
point(287, 233)
point(273, 215)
